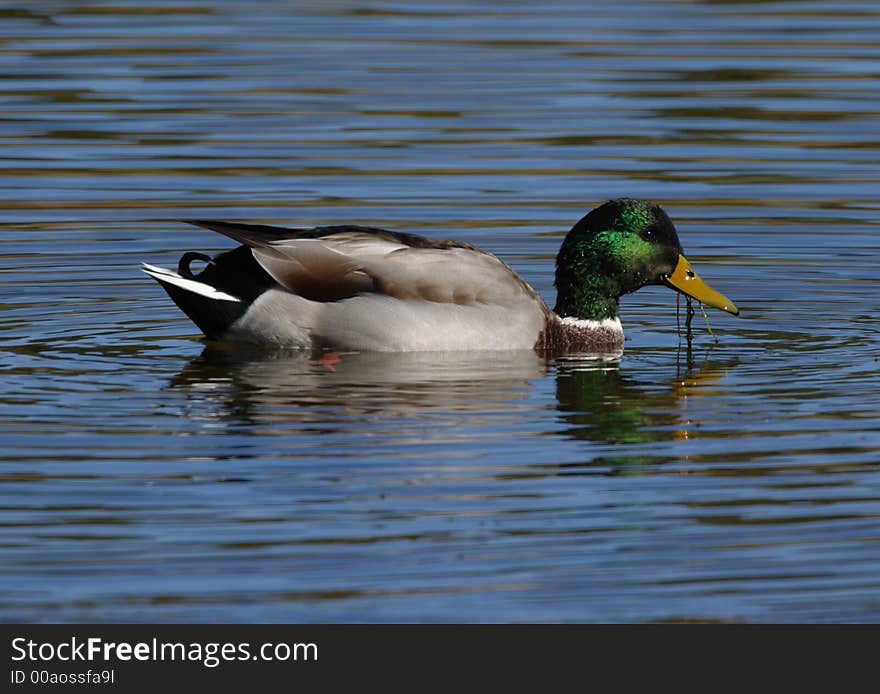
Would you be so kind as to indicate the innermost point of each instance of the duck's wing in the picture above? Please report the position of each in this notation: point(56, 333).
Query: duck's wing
point(338, 262)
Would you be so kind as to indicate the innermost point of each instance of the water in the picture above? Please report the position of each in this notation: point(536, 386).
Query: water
point(147, 478)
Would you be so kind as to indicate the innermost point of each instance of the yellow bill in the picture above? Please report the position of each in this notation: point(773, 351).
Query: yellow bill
point(685, 280)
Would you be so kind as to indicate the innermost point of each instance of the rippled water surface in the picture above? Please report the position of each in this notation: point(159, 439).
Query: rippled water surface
point(145, 476)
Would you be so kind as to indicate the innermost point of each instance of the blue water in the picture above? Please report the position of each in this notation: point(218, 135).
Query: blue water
point(147, 477)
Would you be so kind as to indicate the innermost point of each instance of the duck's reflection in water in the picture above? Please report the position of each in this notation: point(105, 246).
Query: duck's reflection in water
point(607, 404)
point(596, 399)
point(242, 386)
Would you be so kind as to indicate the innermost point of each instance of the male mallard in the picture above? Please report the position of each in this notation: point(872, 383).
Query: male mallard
point(361, 288)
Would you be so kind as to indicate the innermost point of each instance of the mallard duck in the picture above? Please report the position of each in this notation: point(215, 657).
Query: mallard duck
point(360, 288)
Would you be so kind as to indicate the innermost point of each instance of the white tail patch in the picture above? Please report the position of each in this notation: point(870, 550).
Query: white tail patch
point(163, 275)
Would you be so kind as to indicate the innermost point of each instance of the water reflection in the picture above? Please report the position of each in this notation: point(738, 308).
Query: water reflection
point(597, 399)
point(253, 387)
point(606, 403)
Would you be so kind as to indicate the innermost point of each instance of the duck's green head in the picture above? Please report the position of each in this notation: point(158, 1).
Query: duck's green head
point(617, 248)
